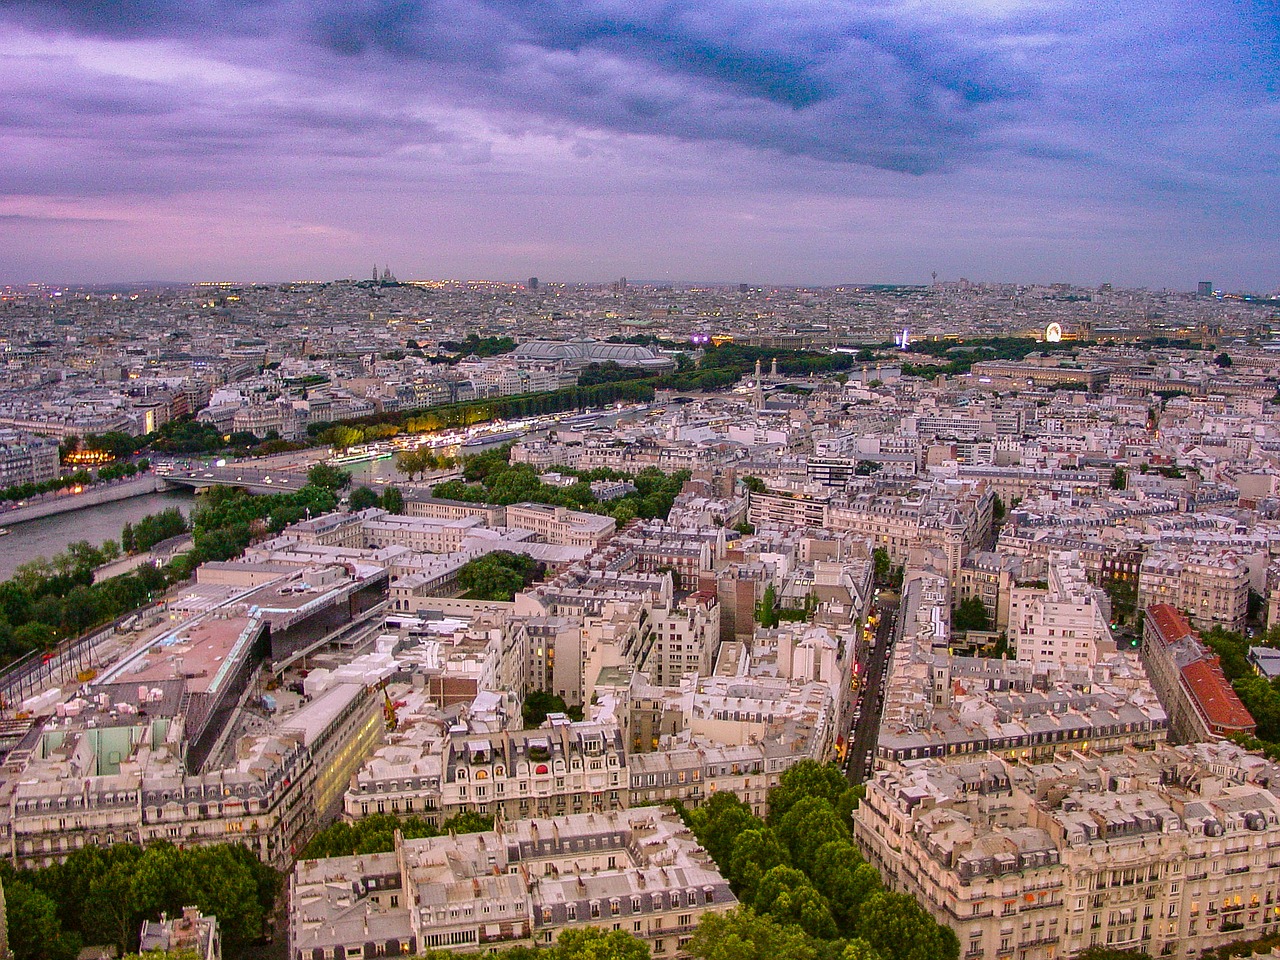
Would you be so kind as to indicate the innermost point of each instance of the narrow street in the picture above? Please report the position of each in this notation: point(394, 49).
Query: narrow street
point(867, 727)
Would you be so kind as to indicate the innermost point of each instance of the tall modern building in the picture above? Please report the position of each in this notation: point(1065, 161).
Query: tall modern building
point(1204, 288)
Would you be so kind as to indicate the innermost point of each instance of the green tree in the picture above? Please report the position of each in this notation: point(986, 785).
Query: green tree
point(838, 870)
point(970, 614)
point(810, 823)
point(516, 485)
point(224, 884)
point(392, 500)
point(414, 463)
point(537, 705)
point(1119, 478)
point(787, 895)
point(35, 932)
point(743, 934)
point(328, 477)
point(1223, 360)
point(34, 636)
point(808, 778)
point(468, 821)
point(592, 943)
point(362, 498)
point(767, 608)
point(497, 576)
point(859, 949)
point(753, 484)
point(108, 915)
point(898, 928)
point(718, 823)
point(883, 565)
point(755, 852)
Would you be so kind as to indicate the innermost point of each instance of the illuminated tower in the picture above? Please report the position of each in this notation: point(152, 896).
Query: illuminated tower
point(759, 391)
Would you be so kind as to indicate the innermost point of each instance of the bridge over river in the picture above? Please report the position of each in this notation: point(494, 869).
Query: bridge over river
point(255, 480)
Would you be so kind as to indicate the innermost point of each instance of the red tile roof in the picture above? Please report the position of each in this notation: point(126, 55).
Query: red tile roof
point(1169, 623)
point(1215, 699)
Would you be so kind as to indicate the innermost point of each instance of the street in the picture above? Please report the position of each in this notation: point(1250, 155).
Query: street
point(867, 727)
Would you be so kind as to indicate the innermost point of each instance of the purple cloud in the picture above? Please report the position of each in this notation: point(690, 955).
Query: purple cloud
point(1163, 114)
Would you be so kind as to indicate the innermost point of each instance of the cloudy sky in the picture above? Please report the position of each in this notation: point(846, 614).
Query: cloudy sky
point(765, 141)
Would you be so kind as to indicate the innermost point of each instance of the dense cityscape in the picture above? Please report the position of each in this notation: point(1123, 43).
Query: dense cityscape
point(640, 620)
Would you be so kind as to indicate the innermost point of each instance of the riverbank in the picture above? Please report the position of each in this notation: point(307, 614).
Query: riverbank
point(53, 504)
point(50, 535)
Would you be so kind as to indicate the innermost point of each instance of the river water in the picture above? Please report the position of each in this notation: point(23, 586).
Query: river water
point(50, 535)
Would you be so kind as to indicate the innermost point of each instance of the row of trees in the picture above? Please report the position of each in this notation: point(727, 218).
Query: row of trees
point(960, 357)
point(376, 833)
point(420, 461)
point(48, 599)
point(151, 529)
point(471, 412)
point(24, 491)
point(364, 498)
point(80, 478)
point(491, 478)
point(474, 345)
point(101, 895)
point(805, 889)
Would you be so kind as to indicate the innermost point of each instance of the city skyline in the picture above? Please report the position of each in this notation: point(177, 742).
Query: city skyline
point(767, 143)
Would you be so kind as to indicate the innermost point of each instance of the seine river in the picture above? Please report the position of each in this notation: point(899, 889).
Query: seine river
point(49, 535)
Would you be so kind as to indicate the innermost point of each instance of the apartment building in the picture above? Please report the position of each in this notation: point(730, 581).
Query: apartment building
point(937, 704)
point(560, 525)
point(787, 509)
point(1213, 588)
point(1169, 851)
point(1189, 680)
point(558, 769)
point(27, 459)
point(419, 504)
point(524, 882)
point(684, 637)
point(989, 576)
point(1064, 623)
